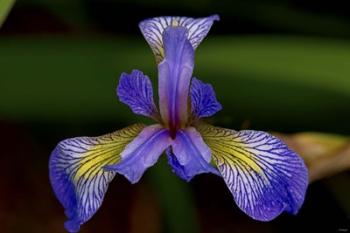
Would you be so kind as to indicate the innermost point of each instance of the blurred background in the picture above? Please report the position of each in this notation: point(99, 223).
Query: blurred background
point(276, 65)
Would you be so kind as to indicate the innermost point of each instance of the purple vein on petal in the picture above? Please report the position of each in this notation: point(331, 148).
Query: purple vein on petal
point(135, 90)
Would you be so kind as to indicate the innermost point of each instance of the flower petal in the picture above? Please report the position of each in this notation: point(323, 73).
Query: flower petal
point(142, 153)
point(264, 176)
point(203, 99)
point(135, 90)
point(175, 73)
point(190, 156)
point(152, 29)
point(77, 176)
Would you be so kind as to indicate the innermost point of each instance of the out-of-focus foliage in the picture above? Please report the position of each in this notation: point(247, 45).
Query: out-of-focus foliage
point(5, 7)
point(272, 82)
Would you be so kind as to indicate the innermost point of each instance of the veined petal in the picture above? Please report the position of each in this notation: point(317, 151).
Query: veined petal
point(175, 73)
point(76, 172)
point(142, 153)
point(135, 90)
point(264, 176)
point(203, 99)
point(152, 29)
point(190, 156)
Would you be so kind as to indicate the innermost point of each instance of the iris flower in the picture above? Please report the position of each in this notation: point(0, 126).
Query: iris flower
point(264, 176)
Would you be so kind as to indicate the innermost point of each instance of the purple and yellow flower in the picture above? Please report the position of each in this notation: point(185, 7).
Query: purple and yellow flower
point(264, 176)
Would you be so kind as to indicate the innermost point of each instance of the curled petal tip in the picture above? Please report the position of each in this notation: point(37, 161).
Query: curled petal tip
point(215, 17)
point(132, 177)
point(72, 226)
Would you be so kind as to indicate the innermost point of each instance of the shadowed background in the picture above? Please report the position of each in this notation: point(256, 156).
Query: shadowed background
point(276, 66)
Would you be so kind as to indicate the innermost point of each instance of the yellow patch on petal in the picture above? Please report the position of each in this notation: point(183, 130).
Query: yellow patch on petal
point(264, 176)
point(77, 171)
point(103, 150)
point(227, 148)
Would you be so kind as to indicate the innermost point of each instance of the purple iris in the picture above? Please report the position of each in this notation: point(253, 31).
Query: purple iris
point(264, 176)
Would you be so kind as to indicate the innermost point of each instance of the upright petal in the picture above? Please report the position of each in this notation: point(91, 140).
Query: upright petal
point(203, 99)
point(190, 156)
point(264, 176)
point(135, 90)
point(77, 176)
point(152, 29)
point(175, 73)
point(142, 152)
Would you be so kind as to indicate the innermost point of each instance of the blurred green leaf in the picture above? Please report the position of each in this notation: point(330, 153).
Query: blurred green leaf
point(274, 83)
point(5, 7)
point(286, 17)
point(175, 198)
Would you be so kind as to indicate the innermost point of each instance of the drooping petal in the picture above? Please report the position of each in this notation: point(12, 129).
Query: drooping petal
point(77, 176)
point(203, 99)
point(263, 174)
point(142, 152)
point(135, 90)
point(190, 156)
point(152, 29)
point(175, 73)
point(176, 167)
